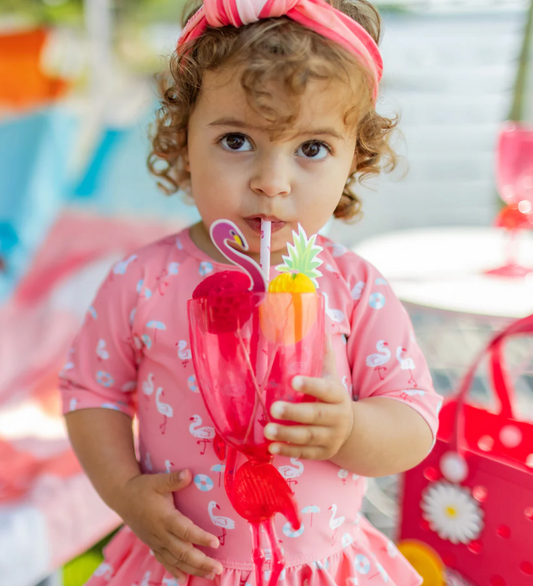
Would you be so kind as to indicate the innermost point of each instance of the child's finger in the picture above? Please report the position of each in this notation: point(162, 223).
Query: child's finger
point(163, 558)
point(323, 389)
point(319, 413)
point(183, 528)
point(172, 481)
point(305, 435)
point(297, 451)
point(192, 560)
point(195, 571)
point(185, 567)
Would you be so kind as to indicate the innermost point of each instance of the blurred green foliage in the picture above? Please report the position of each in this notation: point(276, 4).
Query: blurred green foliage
point(80, 569)
point(70, 12)
point(43, 11)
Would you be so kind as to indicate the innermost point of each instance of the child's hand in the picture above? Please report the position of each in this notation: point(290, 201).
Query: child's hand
point(147, 507)
point(326, 424)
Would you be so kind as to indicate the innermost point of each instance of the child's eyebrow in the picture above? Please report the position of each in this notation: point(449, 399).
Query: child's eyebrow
point(240, 124)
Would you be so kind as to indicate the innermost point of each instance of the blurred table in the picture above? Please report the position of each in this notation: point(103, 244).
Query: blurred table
point(438, 274)
point(443, 269)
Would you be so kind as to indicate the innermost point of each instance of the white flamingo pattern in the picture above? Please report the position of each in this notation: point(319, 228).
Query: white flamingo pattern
point(290, 473)
point(204, 434)
point(357, 290)
point(406, 364)
point(335, 522)
point(102, 353)
point(148, 385)
point(183, 352)
point(378, 361)
point(343, 475)
point(156, 331)
point(336, 315)
point(165, 410)
point(224, 522)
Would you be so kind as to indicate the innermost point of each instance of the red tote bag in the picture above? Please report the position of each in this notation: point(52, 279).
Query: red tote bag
point(467, 509)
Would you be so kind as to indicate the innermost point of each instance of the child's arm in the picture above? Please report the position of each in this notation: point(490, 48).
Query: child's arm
point(103, 442)
point(372, 437)
point(388, 437)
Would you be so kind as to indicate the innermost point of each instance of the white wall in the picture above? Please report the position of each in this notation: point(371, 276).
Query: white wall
point(451, 78)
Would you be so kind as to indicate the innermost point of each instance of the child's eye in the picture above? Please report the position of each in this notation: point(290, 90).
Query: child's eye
point(314, 149)
point(236, 142)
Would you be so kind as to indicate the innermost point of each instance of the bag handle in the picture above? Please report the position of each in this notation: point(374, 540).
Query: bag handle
point(500, 379)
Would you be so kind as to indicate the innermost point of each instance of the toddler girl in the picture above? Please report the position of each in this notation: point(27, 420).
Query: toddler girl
point(269, 114)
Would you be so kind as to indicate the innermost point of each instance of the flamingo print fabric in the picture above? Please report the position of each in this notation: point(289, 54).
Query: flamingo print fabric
point(132, 354)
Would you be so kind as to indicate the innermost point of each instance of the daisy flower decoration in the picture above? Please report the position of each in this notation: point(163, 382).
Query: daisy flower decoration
point(452, 512)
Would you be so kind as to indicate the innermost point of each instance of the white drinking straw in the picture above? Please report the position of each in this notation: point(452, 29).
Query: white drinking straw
point(264, 256)
point(262, 357)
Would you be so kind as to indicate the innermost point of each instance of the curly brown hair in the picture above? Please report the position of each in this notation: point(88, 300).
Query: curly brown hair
point(273, 50)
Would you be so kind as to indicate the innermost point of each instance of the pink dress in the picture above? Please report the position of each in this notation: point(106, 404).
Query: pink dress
point(132, 354)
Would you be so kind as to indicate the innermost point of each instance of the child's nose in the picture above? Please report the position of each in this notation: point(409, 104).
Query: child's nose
point(271, 177)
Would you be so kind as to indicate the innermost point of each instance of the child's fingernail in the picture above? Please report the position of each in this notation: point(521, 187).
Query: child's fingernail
point(273, 449)
point(297, 383)
point(214, 544)
point(277, 410)
point(271, 430)
point(210, 576)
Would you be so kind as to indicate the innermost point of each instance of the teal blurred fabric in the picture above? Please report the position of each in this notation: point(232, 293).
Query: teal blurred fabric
point(35, 153)
point(116, 180)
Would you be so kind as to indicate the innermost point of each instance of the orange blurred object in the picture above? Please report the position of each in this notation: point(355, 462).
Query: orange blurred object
point(511, 218)
point(22, 81)
point(287, 318)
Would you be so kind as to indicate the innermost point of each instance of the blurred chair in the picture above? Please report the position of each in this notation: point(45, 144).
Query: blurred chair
point(34, 155)
point(23, 83)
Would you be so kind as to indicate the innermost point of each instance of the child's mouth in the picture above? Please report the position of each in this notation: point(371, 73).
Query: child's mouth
point(255, 223)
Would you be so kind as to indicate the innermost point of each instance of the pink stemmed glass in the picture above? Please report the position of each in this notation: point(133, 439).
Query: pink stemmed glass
point(515, 186)
point(241, 372)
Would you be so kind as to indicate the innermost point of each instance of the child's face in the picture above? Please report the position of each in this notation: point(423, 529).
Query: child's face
point(241, 173)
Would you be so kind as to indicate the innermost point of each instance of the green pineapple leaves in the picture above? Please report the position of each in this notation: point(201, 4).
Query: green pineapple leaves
point(303, 256)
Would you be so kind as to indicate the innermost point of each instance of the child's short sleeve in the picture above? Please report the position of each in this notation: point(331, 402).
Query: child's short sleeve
point(382, 350)
point(101, 369)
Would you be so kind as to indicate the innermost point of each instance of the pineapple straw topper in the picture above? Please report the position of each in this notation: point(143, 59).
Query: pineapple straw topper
point(300, 266)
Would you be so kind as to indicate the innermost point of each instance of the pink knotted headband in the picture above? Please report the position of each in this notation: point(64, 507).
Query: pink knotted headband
point(317, 15)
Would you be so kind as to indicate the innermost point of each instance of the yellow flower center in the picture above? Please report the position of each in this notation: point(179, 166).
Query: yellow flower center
point(451, 512)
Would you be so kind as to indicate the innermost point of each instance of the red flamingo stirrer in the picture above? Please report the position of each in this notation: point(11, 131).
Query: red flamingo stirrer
point(225, 341)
